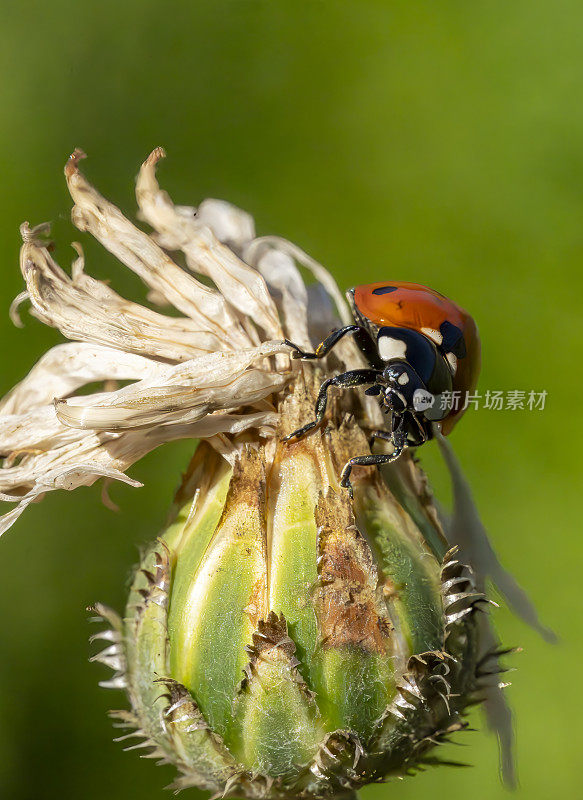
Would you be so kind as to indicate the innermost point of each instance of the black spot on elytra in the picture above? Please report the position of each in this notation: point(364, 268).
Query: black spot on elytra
point(384, 289)
point(453, 339)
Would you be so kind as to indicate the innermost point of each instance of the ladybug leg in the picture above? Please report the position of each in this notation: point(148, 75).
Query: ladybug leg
point(420, 427)
point(398, 437)
point(388, 437)
point(395, 435)
point(368, 461)
point(362, 338)
point(346, 380)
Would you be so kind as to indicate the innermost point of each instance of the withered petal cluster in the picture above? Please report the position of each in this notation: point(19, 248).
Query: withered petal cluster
point(203, 373)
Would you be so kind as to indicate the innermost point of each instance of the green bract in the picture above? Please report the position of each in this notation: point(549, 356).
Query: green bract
point(280, 640)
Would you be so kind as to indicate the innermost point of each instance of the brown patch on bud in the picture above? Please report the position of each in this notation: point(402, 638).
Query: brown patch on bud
point(350, 608)
point(256, 604)
point(248, 488)
point(390, 590)
point(248, 482)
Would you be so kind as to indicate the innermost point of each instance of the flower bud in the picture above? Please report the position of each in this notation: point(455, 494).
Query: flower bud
point(282, 640)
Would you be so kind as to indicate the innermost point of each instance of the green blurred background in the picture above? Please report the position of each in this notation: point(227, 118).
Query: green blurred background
point(439, 142)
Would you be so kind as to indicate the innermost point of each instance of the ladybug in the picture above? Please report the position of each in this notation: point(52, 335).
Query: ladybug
point(423, 352)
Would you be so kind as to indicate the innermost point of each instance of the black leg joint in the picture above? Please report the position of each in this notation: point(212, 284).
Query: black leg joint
point(362, 337)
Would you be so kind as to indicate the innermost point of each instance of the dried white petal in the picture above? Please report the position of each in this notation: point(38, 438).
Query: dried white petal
point(231, 225)
point(66, 476)
point(95, 456)
point(33, 432)
point(185, 392)
point(320, 273)
point(139, 252)
point(86, 309)
point(67, 367)
point(13, 311)
point(282, 275)
point(242, 287)
point(8, 520)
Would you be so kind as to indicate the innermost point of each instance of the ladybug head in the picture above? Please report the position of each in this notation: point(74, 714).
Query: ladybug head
point(404, 395)
point(402, 385)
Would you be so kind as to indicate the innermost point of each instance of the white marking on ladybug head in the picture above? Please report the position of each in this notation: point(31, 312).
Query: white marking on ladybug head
point(390, 348)
point(452, 361)
point(403, 379)
point(432, 334)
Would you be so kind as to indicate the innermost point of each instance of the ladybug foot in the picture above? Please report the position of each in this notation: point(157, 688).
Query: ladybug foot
point(345, 480)
point(368, 461)
point(298, 353)
point(300, 432)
